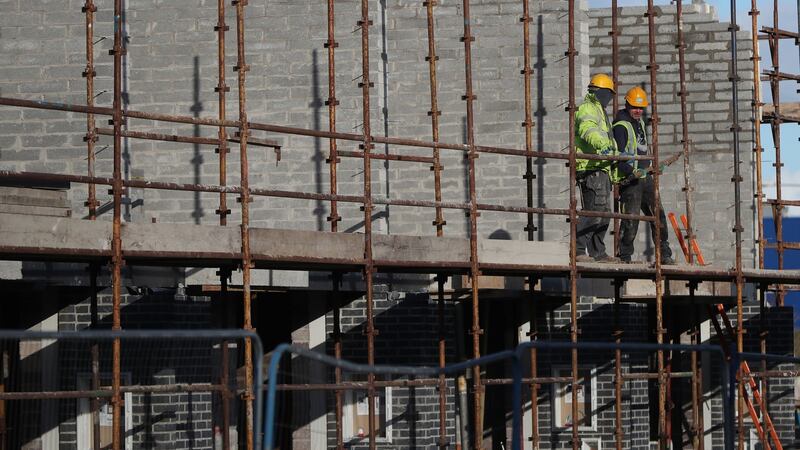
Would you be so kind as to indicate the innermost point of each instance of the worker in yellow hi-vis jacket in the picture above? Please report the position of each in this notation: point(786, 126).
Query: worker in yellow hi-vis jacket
point(593, 135)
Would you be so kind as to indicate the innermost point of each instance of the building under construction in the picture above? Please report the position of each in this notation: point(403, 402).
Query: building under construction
point(388, 182)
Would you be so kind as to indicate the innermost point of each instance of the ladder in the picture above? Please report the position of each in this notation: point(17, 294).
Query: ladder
point(717, 312)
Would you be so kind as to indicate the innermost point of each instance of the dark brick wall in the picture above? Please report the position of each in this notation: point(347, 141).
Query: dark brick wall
point(159, 420)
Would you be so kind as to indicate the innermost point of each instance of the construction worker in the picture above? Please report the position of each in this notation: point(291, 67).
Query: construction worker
point(594, 136)
point(637, 190)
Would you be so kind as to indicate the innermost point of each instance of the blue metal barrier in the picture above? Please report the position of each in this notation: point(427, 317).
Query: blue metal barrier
point(728, 375)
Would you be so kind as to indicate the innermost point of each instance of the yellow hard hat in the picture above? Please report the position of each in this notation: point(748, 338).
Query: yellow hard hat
point(603, 81)
point(637, 97)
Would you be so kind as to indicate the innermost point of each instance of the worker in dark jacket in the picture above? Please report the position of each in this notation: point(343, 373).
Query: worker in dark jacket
point(637, 190)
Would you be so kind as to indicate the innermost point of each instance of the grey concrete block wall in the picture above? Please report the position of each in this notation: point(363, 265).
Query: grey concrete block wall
point(170, 67)
point(708, 66)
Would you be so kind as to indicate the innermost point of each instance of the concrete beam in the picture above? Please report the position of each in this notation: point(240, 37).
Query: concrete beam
point(187, 245)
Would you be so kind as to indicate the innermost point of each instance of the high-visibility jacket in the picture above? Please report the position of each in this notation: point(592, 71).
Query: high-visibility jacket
point(631, 147)
point(593, 135)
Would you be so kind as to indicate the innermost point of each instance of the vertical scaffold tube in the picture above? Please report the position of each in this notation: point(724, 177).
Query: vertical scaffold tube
point(247, 264)
point(775, 87)
point(682, 93)
point(573, 221)
point(618, 381)
point(530, 228)
point(367, 145)
point(662, 381)
point(737, 229)
point(222, 149)
point(758, 150)
point(89, 8)
point(333, 217)
point(614, 33)
point(474, 273)
point(697, 430)
point(116, 236)
point(221, 89)
point(439, 221)
point(617, 332)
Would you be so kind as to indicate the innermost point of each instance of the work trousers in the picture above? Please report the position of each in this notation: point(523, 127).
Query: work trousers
point(595, 192)
point(640, 196)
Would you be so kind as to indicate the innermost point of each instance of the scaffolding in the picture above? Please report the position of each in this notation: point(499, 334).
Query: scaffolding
point(767, 280)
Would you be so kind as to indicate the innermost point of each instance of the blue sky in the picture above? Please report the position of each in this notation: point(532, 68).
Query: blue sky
point(790, 63)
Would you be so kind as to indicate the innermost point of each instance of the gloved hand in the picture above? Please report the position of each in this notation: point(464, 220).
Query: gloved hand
point(607, 151)
point(639, 173)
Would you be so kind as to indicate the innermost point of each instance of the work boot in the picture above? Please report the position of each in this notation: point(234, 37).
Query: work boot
point(667, 261)
point(625, 260)
point(584, 258)
point(608, 259)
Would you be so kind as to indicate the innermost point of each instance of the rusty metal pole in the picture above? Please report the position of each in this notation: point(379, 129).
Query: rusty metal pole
point(775, 81)
point(573, 221)
point(530, 228)
point(618, 332)
point(737, 229)
point(222, 88)
point(439, 221)
point(698, 431)
point(337, 353)
point(241, 69)
point(534, 385)
point(619, 435)
point(614, 33)
point(367, 146)
point(434, 113)
point(116, 239)
point(757, 149)
point(95, 402)
point(682, 93)
point(334, 218)
point(528, 123)
point(89, 9)
point(662, 381)
point(222, 149)
point(763, 333)
point(333, 158)
point(474, 272)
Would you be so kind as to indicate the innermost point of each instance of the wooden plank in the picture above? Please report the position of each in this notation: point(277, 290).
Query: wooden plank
point(789, 112)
